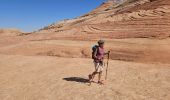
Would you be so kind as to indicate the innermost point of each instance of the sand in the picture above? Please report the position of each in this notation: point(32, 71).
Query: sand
point(42, 78)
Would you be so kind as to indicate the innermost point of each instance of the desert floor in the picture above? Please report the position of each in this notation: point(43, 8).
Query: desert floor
point(53, 78)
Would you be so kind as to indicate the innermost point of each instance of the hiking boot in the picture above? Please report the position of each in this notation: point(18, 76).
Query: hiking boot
point(100, 82)
point(90, 78)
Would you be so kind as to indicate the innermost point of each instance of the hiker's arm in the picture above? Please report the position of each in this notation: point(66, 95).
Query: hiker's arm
point(107, 53)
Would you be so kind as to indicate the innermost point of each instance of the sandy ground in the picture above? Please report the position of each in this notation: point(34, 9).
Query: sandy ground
point(53, 78)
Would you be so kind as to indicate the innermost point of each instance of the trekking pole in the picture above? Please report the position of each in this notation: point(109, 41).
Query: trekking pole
point(108, 57)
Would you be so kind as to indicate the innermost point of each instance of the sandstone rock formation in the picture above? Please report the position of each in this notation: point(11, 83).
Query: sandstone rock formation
point(135, 30)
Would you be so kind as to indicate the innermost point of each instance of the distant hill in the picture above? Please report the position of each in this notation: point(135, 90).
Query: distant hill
point(126, 19)
point(9, 32)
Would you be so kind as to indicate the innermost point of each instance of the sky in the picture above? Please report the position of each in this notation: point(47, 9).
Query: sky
point(31, 15)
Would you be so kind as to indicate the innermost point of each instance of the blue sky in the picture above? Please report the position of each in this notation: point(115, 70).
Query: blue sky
point(30, 15)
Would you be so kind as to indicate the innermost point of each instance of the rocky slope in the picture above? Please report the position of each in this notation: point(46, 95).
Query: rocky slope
point(134, 30)
point(132, 18)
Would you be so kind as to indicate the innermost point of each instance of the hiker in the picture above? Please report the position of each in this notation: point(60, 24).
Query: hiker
point(98, 57)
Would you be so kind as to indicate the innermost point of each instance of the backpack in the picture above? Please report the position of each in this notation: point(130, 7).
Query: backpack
point(94, 48)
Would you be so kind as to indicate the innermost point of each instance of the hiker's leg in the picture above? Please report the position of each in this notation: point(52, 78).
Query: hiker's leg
point(96, 70)
point(100, 76)
point(100, 81)
point(100, 71)
point(94, 74)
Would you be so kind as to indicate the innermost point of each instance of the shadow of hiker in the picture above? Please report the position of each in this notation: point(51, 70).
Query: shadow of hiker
point(76, 79)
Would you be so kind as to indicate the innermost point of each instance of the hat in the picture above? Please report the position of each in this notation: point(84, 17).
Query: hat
point(101, 42)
